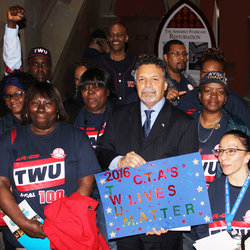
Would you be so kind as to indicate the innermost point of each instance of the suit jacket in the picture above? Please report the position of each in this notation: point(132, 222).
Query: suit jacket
point(173, 133)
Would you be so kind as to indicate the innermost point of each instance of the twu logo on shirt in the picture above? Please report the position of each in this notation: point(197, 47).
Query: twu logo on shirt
point(131, 84)
point(39, 174)
point(209, 163)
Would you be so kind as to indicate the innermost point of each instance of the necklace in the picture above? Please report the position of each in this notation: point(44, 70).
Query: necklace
point(217, 126)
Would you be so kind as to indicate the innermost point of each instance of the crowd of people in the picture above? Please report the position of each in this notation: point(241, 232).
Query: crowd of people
point(121, 110)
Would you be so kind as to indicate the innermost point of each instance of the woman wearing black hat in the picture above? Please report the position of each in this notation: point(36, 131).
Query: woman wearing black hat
point(213, 121)
point(212, 59)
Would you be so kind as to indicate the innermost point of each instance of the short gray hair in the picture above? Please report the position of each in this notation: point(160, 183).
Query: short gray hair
point(150, 59)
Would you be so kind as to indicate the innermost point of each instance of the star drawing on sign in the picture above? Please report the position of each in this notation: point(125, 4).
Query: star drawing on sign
point(102, 181)
point(109, 210)
point(112, 235)
point(199, 189)
point(197, 174)
point(202, 203)
point(195, 161)
point(111, 224)
point(106, 196)
point(207, 219)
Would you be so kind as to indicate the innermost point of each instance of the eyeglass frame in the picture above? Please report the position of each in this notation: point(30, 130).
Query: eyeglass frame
point(178, 54)
point(119, 35)
point(95, 86)
point(221, 151)
point(16, 96)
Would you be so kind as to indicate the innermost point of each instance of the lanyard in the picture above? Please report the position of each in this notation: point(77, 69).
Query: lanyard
point(230, 215)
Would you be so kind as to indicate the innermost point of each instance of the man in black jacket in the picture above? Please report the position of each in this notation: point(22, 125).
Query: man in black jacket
point(144, 131)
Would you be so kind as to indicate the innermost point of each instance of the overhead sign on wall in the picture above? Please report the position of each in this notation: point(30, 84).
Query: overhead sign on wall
point(185, 22)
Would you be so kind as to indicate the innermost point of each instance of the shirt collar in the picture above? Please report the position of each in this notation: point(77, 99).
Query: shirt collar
point(157, 107)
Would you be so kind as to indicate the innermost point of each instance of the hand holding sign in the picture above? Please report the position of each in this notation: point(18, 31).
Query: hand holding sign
point(132, 160)
point(157, 232)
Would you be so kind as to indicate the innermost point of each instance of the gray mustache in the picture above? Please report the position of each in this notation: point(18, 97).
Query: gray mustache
point(149, 90)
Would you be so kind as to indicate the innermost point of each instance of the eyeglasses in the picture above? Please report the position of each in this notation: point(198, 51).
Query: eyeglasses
point(16, 96)
point(229, 151)
point(119, 35)
point(178, 54)
point(91, 86)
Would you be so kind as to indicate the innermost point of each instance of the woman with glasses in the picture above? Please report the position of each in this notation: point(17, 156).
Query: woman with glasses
point(230, 194)
point(13, 88)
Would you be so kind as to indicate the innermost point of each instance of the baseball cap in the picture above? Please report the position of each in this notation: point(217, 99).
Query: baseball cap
point(39, 51)
point(215, 77)
point(12, 81)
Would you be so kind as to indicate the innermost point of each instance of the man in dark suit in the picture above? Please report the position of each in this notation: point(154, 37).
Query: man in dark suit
point(144, 131)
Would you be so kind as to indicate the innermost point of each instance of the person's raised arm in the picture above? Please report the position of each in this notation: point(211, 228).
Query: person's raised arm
point(12, 47)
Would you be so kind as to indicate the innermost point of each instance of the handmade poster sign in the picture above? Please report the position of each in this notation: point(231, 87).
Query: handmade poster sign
point(166, 193)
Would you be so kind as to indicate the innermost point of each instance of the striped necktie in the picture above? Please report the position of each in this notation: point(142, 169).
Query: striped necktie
point(147, 124)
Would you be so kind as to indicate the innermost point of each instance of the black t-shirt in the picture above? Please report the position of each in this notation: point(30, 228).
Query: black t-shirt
point(208, 139)
point(93, 124)
point(43, 168)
